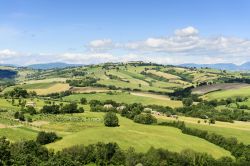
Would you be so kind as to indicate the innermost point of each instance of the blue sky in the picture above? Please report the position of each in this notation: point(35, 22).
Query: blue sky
point(95, 31)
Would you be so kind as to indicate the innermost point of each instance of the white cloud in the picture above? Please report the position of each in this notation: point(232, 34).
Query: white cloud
point(188, 31)
point(183, 46)
point(100, 45)
point(6, 53)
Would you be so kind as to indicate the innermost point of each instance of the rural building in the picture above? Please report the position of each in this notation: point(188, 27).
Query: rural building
point(30, 104)
point(121, 108)
point(148, 110)
point(108, 106)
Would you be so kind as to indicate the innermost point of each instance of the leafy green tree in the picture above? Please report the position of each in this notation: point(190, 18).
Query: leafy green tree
point(18, 92)
point(187, 102)
point(5, 153)
point(83, 101)
point(111, 120)
point(21, 116)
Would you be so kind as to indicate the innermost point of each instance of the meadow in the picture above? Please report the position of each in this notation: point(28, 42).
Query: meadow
point(141, 137)
point(238, 129)
point(125, 97)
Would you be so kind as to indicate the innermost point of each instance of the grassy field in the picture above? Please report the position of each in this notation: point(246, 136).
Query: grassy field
point(242, 92)
point(141, 137)
point(125, 98)
point(162, 74)
point(42, 88)
point(238, 129)
point(18, 133)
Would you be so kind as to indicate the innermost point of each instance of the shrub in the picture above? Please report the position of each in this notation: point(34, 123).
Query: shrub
point(187, 102)
point(19, 115)
point(111, 120)
point(46, 137)
point(145, 119)
point(83, 101)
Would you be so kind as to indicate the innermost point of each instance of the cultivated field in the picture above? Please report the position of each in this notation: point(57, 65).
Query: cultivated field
point(145, 99)
point(216, 87)
point(242, 92)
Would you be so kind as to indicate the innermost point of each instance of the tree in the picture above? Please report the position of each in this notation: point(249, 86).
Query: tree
point(31, 110)
point(18, 92)
point(187, 102)
point(111, 120)
point(69, 108)
point(16, 115)
point(50, 109)
point(19, 115)
point(83, 101)
point(212, 121)
point(4, 151)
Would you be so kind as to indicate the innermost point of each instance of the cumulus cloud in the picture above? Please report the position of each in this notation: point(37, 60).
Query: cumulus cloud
point(183, 46)
point(188, 31)
point(100, 45)
point(6, 53)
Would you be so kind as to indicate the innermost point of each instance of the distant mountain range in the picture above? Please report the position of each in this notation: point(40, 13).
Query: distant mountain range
point(58, 65)
point(220, 66)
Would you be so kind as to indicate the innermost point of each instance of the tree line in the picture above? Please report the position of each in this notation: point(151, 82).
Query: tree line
point(32, 153)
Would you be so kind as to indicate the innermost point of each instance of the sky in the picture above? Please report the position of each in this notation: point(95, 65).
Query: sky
point(98, 31)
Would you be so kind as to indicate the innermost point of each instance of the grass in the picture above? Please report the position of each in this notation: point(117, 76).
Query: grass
point(18, 134)
point(238, 129)
point(233, 93)
point(125, 98)
point(42, 88)
point(141, 137)
point(162, 74)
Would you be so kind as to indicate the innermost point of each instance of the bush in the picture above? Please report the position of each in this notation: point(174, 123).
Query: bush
point(19, 115)
point(187, 102)
point(46, 137)
point(83, 101)
point(111, 120)
point(145, 119)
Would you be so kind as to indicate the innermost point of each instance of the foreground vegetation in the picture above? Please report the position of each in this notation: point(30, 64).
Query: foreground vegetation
point(64, 109)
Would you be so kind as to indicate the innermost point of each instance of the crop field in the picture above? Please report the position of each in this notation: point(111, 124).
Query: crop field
point(216, 87)
point(243, 92)
point(48, 80)
point(42, 88)
point(128, 134)
point(120, 97)
point(165, 75)
point(88, 89)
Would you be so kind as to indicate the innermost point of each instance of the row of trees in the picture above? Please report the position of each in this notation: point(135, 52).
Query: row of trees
point(133, 111)
point(88, 81)
point(18, 92)
point(62, 109)
point(32, 153)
